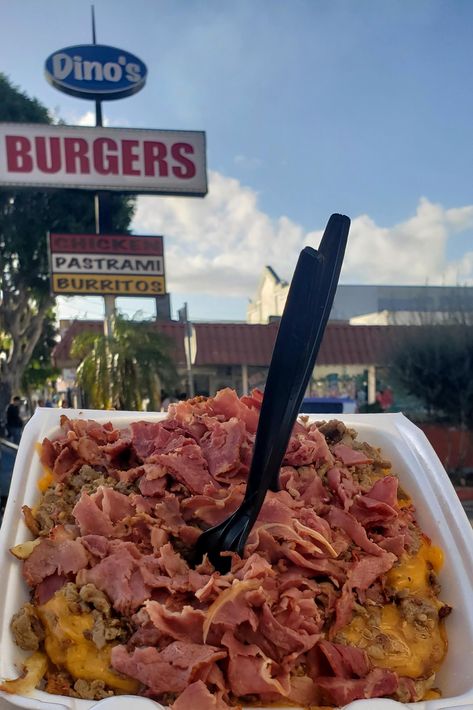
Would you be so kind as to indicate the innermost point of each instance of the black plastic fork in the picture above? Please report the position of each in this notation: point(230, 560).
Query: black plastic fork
point(300, 333)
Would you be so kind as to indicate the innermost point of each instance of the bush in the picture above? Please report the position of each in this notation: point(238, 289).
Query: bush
point(435, 364)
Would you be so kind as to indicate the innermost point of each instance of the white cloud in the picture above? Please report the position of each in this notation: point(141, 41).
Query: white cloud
point(460, 218)
point(76, 119)
point(219, 245)
point(88, 119)
point(411, 252)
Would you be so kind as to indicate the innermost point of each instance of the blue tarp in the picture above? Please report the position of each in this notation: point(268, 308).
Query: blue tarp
point(328, 405)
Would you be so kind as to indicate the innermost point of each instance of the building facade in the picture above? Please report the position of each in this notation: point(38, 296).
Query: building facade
point(371, 305)
point(237, 355)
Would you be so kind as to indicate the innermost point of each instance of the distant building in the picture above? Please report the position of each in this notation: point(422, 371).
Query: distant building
point(270, 298)
point(370, 305)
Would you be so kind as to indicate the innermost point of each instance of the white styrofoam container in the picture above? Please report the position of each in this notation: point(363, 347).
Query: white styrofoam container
point(439, 513)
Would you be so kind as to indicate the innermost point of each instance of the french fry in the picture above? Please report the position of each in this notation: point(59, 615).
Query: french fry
point(34, 669)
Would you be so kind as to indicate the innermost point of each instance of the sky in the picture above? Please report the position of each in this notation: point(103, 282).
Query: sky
point(309, 107)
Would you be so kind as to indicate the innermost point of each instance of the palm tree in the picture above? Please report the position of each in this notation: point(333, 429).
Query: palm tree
point(123, 370)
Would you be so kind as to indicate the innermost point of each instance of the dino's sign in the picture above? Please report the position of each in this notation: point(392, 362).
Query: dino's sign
point(95, 71)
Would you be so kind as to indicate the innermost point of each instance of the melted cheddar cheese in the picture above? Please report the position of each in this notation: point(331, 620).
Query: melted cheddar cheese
point(411, 573)
point(47, 478)
point(67, 647)
point(390, 637)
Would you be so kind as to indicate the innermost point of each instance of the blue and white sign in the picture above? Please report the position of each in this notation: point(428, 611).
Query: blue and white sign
point(95, 71)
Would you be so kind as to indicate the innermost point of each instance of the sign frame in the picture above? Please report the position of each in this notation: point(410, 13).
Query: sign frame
point(107, 275)
point(174, 146)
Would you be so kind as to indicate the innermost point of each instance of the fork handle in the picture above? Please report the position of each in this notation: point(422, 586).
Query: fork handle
point(287, 376)
point(298, 341)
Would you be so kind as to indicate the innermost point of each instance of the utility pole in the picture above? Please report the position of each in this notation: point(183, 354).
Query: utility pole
point(183, 317)
point(103, 217)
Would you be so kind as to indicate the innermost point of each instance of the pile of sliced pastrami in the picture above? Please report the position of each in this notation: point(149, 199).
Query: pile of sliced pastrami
point(266, 631)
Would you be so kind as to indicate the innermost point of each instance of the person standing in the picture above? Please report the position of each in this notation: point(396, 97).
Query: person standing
point(385, 399)
point(14, 420)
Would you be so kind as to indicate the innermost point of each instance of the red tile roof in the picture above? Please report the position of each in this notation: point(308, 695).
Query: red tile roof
point(345, 344)
point(234, 343)
point(172, 329)
point(252, 344)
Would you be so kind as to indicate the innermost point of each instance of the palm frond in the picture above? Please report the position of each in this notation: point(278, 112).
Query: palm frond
point(127, 368)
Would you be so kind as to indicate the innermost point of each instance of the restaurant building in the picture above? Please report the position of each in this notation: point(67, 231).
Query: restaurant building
point(237, 355)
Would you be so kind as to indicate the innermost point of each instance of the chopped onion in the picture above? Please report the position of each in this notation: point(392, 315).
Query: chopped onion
point(24, 550)
point(227, 596)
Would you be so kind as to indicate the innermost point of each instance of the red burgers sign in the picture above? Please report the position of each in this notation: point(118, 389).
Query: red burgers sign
point(133, 160)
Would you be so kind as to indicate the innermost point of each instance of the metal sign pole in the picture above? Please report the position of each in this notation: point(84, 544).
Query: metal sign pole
point(101, 72)
point(190, 378)
point(183, 317)
point(102, 212)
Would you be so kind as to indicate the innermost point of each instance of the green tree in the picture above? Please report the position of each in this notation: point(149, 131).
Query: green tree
point(40, 372)
point(123, 370)
point(25, 218)
point(435, 364)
